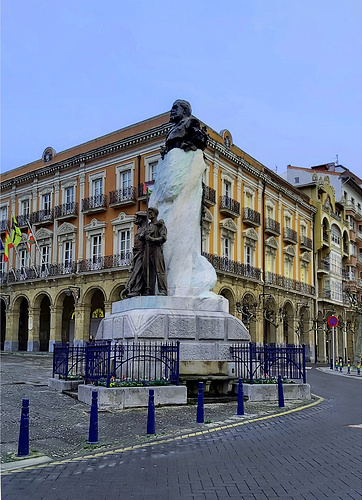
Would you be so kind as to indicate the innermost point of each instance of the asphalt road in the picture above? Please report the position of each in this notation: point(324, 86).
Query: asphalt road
point(310, 453)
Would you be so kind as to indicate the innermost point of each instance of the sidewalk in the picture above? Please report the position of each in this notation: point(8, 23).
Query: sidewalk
point(59, 424)
point(326, 369)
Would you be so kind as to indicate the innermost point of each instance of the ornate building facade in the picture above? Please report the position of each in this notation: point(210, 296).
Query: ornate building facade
point(257, 231)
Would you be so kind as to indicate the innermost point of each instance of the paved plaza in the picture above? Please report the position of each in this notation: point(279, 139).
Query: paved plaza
point(309, 451)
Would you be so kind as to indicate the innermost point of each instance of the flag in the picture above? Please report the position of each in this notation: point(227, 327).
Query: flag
point(31, 239)
point(16, 234)
point(1, 245)
point(8, 244)
point(148, 187)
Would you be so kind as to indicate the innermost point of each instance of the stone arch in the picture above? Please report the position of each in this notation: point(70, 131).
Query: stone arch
point(248, 313)
point(21, 310)
point(94, 309)
point(270, 320)
point(229, 295)
point(287, 323)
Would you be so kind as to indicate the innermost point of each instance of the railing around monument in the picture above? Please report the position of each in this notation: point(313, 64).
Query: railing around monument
point(104, 362)
point(68, 362)
point(264, 362)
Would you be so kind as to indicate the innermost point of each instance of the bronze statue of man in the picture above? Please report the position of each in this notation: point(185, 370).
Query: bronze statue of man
point(186, 132)
point(136, 284)
point(154, 269)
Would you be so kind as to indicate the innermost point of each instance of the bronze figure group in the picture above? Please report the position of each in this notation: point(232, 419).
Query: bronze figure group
point(148, 262)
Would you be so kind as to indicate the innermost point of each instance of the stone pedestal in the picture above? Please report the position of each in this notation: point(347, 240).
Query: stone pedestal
point(203, 325)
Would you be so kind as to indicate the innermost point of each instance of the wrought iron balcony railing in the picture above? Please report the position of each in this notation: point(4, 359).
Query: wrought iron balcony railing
point(98, 202)
point(4, 225)
point(230, 206)
point(23, 220)
point(231, 266)
point(209, 195)
point(42, 216)
point(251, 217)
point(272, 226)
point(66, 210)
point(290, 235)
point(306, 242)
point(325, 237)
point(122, 196)
point(53, 270)
point(288, 283)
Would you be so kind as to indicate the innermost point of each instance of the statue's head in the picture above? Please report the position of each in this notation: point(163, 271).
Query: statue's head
point(152, 212)
point(140, 218)
point(180, 109)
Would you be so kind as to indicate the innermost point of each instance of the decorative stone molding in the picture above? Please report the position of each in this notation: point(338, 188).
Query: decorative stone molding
point(66, 229)
point(43, 233)
point(289, 250)
point(272, 243)
point(95, 224)
point(305, 257)
point(250, 237)
point(228, 228)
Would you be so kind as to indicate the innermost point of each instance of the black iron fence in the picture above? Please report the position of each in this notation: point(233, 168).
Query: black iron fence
point(103, 362)
point(264, 362)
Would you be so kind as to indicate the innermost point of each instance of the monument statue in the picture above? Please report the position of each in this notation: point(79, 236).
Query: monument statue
point(177, 194)
point(136, 283)
point(154, 269)
point(186, 133)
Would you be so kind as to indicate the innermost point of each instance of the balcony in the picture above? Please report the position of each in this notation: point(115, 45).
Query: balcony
point(232, 267)
point(345, 250)
point(272, 226)
point(287, 283)
point(96, 203)
point(324, 267)
point(107, 262)
point(66, 211)
point(251, 217)
point(23, 220)
point(229, 206)
point(359, 235)
point(209, 195)
point(290, 236)
point(45, 216)
point(58, 270)
point(4, 225)
point(306, 243)
point(359, 258)
point(325, 238)
point(121, 197)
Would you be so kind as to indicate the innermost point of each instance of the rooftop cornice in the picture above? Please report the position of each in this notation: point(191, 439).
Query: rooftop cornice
point(114, 147)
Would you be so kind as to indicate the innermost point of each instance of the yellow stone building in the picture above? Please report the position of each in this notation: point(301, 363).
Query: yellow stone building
point(257, 231)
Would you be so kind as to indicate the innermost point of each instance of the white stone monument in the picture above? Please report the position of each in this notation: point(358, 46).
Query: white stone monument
point(191, 313)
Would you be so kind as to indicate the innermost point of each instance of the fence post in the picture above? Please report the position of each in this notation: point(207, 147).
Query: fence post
point(280, 392)
point(178, 363)
point(93, 423)
point(240, 397)
point(304, 370)
point(251, 362)
point(108, 364)
point(151, 412)
point(23, 448)
point(200, 404)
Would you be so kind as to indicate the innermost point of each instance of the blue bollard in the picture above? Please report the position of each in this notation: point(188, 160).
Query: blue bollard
point(280, 392)
point(23, 448)
point(93, 423)
point(331, 364)
point(240, 398)
point(200, 404)
point(151, 412)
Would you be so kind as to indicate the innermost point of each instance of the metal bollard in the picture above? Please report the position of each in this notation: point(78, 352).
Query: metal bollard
point(200, 404)
point(23, 448)
point(151, 412)
point(240, 397)
point(280, 392)
point(93, 423)
point(331, 364)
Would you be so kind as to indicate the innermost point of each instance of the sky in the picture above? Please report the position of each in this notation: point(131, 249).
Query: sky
point(283, 76)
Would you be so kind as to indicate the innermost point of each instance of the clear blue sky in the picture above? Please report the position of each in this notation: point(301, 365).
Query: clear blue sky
point(284, 76)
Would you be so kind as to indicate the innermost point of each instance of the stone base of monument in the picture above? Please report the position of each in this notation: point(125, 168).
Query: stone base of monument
point(269, 392)
point(203, 326)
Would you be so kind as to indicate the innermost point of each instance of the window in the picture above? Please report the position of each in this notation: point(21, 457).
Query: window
point(227, 189)
point(269, 212)
point(335, 260)
point(68, 254)
point(248, 200)
point(288, 270)
point(2, 264)
point(303, 231)
point(96, 251)
point(124, 243)
point(44, 253)
point(126, 179)
point(249, 255)
point(69, 195)
point(288, 222)
point(46, 202)
point(226, 248)
point(25, 208)
point(296, 180)
point(335, 235)
point(4, 213)
point(98, 187)
point(153, 170)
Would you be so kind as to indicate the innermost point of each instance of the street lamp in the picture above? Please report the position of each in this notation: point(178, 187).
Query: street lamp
point(73, 291)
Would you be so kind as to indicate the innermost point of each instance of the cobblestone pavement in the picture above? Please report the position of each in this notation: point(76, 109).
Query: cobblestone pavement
point(59, 424)
point(312, 453)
